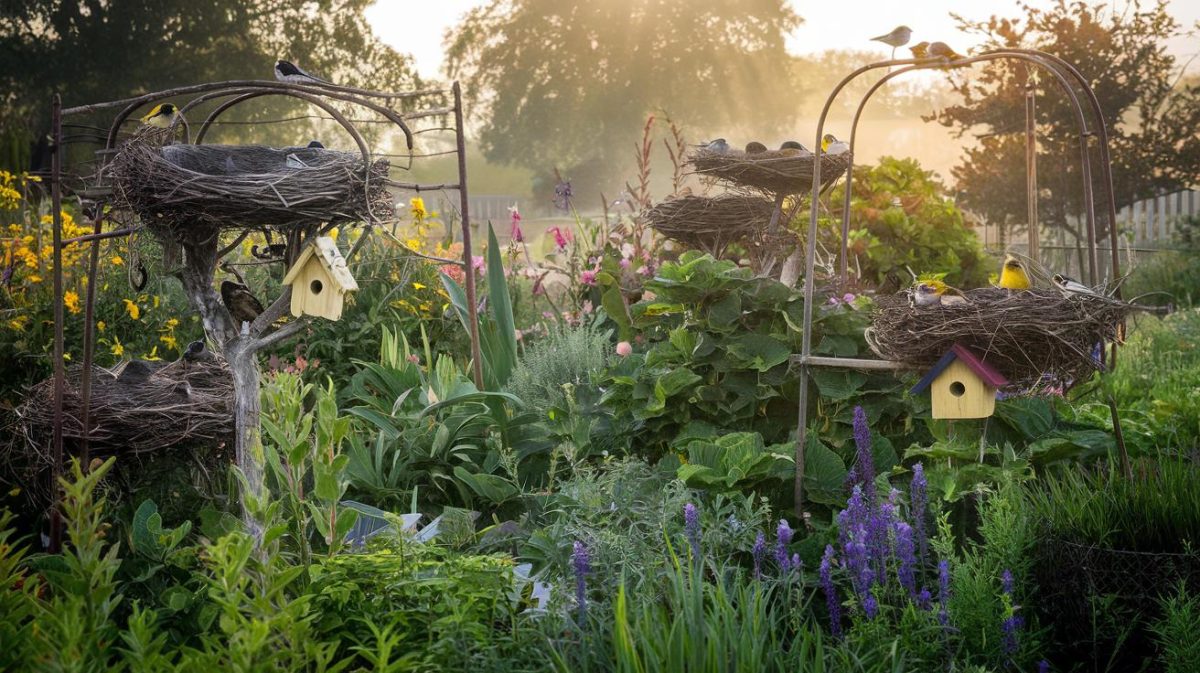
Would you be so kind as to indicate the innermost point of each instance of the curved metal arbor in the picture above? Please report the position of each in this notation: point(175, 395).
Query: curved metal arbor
point(230, 94)
point(1072, 83)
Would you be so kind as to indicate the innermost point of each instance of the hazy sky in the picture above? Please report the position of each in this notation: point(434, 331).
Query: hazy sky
point(417, 26)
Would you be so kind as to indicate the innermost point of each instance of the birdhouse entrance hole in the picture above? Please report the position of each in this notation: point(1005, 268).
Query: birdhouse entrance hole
point(316, 288)
point(957, 389)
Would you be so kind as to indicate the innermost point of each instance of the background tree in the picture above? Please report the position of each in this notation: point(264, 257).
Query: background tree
point(569, 84)
point(94, 51)
point(1151, 114)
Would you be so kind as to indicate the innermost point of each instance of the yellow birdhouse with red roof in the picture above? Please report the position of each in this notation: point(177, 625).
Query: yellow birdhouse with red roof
point(320, 280)
point(962, 385)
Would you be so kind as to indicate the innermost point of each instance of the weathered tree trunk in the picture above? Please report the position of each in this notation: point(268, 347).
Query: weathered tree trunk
point(242, 355)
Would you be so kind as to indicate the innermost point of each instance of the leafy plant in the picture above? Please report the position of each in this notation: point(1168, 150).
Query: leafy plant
point(733, 462)
point(1178, 632)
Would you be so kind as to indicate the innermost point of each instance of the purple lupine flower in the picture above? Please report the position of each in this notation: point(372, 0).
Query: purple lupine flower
point(1043, 666)
point(831, 599)
point(796, 563)
point(918, 501)
point(925, 600)
point(870, 606)
point(906, 557)
point(1010, 629)
point(1006, 581)
point(783, 537)
point(865, 461)
point(943, 592)
point(877, 543)
point(759, 551)
point(858, 562)
point(582, 565)
point(691, 526)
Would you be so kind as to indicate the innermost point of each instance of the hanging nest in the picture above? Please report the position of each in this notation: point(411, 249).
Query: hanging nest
point(774, 171)
point(180, 187)
point(712, 224)
point(1024, 335)
point(142, 407)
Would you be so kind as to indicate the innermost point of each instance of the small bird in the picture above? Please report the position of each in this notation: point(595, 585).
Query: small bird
point(241, 304)
point(899, 37)
point(920, 50)
point(294, 161)
point(755, 147)
point(160, 115)
point(1013, 275)
point(196, 352)
point(934, 293)
point(719, 146)
point(943, 50)
point(316, 145)
point(286, 71)
point(1070, 286)
point(793, 148)
point(831, 145)
point(137, 371)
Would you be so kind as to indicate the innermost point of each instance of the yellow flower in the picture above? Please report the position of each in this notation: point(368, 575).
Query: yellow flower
point(71, 301)
point(18, 323)
point(117, 349)
point(172, 323)
point(132, 309)
point(157, 299)
point(116, 260)
point(100, 326)
point(152, 355)
point(418, 208)
point(333, 233)
point(418, 286)
point(33, 278)
point(170, 341)
point(413, 244)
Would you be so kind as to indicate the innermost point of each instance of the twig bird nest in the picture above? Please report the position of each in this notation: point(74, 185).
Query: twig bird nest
point(1023, 334)
point(146, 406)
point(174, 188)
point(775, 171)
point(712, 224)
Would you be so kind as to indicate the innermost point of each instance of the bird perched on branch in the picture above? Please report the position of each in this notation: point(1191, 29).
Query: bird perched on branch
point(160, 116)
point(920, 50)
point(943, 50)
point(238, 300)
point(934, 293)
point(1013, 275)
point(831, 145)
point(1070, 286)
point(286, 71)
point(755, 147)
point(899, 37)
point(719, 146)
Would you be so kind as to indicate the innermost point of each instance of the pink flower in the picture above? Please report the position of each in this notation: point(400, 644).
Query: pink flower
point(477, 262)
point(624, 349)
point(517, 234)
point(561, 237)
point(834, 301)
point(588, 277)
point(848, 298)
point(624, 264)
point(412, 357)
point(587, 307)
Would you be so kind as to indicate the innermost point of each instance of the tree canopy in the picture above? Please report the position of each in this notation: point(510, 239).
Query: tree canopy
point(1151, 113)
point(570, 83)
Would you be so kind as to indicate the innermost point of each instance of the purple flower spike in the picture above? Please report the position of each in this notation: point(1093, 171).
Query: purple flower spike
point(865, 461)
point(1010, 630)
point(918, 499)
point(759, 551)
point(925, 600)
point(796, 563)
point(783, 536)
point(906, 558)
point(582, 565)
point(691, 526)
point(1043, 666)
point(871, 607)
point(831, 599)
point(1006, 581)
point(943, 592)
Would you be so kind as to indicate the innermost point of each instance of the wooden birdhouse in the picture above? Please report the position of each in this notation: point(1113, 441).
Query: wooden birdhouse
point(962, 385)
point(319, 280)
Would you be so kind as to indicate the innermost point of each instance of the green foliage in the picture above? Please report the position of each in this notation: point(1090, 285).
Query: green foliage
point(565, 355)
point(1178, 632)
point(18, 598)
point(1169, 277)
point(901, 218)
point(1156, 509)
point(738, 461)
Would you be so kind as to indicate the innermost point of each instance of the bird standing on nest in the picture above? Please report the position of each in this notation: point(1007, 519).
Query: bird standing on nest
point(1070, 286)
point(755, 147)
point(899, 37)
point(286, 71)
point(242, 305)
point(720, 146)
point(934, 293)
point(315, 145)
point(793, 148)
point(1013, 275)
point(831, 145)
point(160, 116)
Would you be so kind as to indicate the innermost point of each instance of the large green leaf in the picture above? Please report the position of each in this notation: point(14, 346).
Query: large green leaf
point(824, 474)
point(490, 487)
point(759, 352)
point(500, 306)
point(838, 384)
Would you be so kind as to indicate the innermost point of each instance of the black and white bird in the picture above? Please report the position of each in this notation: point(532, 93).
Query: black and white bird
point(719, 146)
point(196, 352)
point(899, 37)
point(315, 145)
point(1070, 286)
point(286, 71)
point(160, 116)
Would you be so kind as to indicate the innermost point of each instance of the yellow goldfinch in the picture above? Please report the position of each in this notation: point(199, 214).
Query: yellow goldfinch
point(934, 293)
point(831, 145)
point(1013, 275)
point(160, 115)
point(920, 50)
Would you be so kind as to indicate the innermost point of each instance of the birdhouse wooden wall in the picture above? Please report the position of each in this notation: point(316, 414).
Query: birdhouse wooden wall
point(320, 281)
point(958, 392)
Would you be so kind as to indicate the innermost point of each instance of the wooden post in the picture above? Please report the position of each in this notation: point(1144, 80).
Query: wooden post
point(1031, 195)
point(59, 371)
point(468, 262)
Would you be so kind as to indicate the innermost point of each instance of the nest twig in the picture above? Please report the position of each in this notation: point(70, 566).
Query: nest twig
point(179, 187)
point(1025, 335)
point(178, 404)
point(712, 224)
point(775, 171)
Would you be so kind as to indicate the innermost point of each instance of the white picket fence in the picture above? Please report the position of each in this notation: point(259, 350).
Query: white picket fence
point(1152, 223)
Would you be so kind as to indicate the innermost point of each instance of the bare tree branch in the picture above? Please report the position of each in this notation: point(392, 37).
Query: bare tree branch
point(280, 334)
point(274, 312)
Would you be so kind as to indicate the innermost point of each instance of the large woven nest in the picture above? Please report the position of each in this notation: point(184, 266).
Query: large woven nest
point(712, 224)
point(1024, 335)
point(145, 410)
point(174, 187)
point(776, 171)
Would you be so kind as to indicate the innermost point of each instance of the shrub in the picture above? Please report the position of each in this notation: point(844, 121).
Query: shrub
point(1178, 632)
point(565, 355)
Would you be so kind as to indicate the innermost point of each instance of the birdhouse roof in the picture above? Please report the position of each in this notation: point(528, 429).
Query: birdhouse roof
point(325, 251)
point(960, 352)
